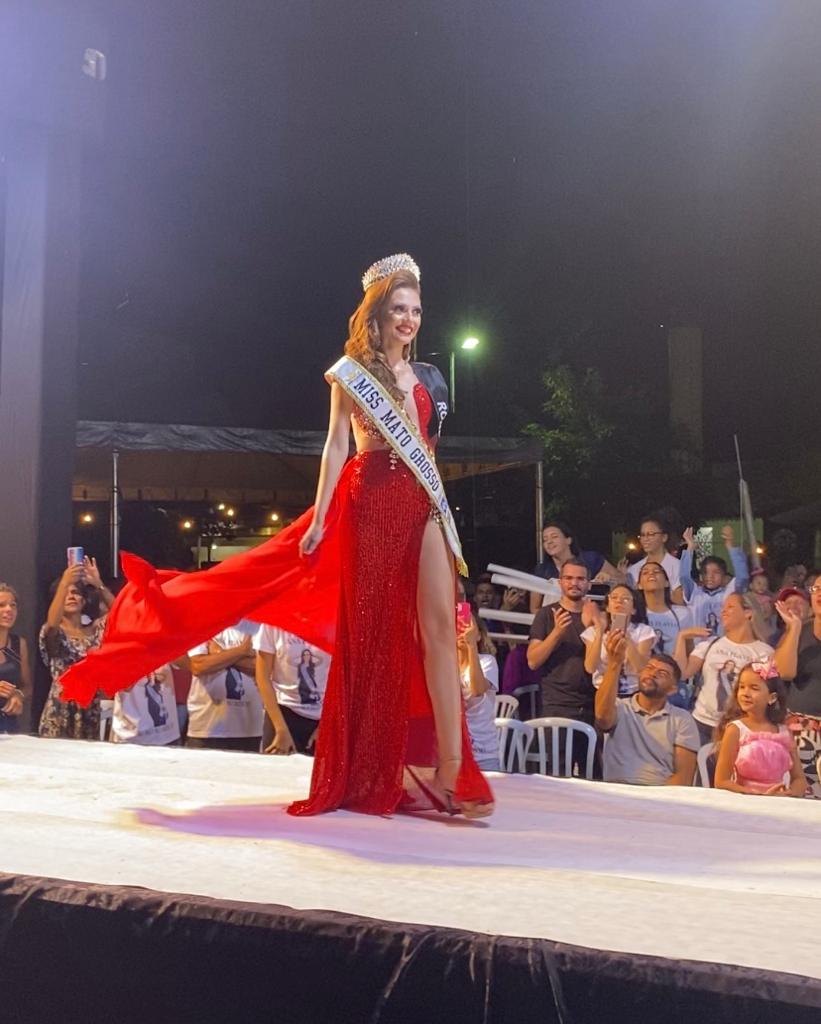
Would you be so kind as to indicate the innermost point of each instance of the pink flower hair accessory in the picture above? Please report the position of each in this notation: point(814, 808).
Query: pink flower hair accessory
point(765, 669)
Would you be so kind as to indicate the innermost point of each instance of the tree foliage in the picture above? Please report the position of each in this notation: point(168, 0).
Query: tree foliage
point(610, 454)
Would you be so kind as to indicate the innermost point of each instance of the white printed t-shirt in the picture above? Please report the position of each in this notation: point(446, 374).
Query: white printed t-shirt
point(224, 704)
point(300, 671)
point(723, 660)
point(480, 715)
point(667, 625)
point(146, 713)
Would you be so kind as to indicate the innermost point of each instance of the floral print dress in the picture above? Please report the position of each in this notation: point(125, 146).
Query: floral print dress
point(66, 719)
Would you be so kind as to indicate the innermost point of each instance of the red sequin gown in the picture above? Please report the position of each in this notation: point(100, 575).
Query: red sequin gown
point(377, 716)
point(356, 597)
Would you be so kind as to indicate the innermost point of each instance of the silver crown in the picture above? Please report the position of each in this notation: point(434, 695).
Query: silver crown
point(389, 265)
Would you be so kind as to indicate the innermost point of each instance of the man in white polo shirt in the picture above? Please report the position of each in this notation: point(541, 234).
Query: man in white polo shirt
point(291, 675)
point(224, 706)
point(650, 742)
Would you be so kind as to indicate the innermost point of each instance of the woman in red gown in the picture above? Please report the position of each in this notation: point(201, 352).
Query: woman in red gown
point(392, 729)
point(366, 573)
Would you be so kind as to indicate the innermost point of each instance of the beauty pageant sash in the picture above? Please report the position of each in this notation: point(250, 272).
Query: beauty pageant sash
point(402, 436)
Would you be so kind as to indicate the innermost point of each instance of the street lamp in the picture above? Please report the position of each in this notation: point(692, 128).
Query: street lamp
point(468, 344)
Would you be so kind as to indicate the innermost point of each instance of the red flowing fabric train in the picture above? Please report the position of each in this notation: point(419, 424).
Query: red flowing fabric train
point(356, 597)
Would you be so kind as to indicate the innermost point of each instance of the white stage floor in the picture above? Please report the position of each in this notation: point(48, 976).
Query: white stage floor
point(678, 873)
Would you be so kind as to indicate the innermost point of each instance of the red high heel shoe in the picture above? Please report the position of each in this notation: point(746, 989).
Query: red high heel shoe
point(445, 800)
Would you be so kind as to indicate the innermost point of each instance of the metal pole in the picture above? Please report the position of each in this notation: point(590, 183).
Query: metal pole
point(539, 510)
point(452, 381)
point(114, 521)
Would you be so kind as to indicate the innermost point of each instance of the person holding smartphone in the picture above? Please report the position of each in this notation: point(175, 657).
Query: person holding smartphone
point(639, 639)
point(66, 637)
point(480, 682)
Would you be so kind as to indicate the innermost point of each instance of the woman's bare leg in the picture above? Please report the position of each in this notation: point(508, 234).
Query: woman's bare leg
point(436, 611)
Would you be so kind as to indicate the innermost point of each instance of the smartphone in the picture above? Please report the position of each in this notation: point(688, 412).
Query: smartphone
point(464, 616)
point(619, 621)
point(74, 556)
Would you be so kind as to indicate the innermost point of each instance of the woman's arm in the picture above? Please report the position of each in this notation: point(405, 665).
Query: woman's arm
point(334, 455)
point(17, 696)
point(592, 652)
point(638, 654)
point(609, 574)
point(468, 640)
point(786, 654)
point(73, 576)
point(689, 666)
point(283, 742)
point(25, 669)
point(605, 701)
point(92, 577)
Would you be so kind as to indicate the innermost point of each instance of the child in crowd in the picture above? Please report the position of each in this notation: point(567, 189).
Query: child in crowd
point(621, 615)
point(756, 749)
point(762, 595)
point(480, 681)
point(705, 599)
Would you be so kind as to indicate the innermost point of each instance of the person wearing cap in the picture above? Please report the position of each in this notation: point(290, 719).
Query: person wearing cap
point(798, 657)
point(795, 600)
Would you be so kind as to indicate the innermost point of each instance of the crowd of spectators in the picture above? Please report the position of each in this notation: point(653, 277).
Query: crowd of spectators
point(663, 657)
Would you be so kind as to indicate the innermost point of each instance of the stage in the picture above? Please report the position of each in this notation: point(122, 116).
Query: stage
point(169, 884)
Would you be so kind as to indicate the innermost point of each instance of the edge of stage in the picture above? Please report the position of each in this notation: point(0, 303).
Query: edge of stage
point(576, 902)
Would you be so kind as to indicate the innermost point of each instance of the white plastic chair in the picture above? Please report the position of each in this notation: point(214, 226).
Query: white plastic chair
point(703, 764)
point(506, 706)
point(556, 727)
point(515, 738)
point(106, 717)
point(526, 695)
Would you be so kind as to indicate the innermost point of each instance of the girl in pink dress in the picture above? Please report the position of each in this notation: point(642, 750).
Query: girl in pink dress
point(757, 752)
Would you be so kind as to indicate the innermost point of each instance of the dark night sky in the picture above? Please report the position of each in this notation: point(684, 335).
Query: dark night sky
point(550, 165)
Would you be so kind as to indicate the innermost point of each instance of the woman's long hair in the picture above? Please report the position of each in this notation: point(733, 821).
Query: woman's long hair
point(364, 344)
point(641, 600)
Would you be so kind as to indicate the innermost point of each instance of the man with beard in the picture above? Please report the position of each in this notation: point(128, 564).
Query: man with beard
point(556, 650)
point(650, 742)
